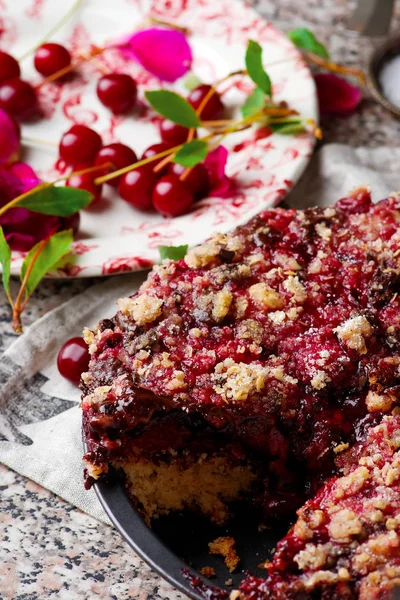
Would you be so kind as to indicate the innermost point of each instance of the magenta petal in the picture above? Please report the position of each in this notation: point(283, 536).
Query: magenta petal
point(25, 174)
point(335, 94)
point(164, 53)
point(9, 137)
point(21, 242)
point(10, 186)
point(215, 163)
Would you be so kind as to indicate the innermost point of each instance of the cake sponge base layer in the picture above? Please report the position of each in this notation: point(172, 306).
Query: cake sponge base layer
point(205, 484)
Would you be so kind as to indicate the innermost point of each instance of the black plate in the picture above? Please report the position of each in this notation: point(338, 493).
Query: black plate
point(178, 542)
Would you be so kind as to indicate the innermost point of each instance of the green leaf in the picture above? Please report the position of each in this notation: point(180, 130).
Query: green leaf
point(255, 67)
point(288, 128)
point(191, 153)
point(174, 107)
point(254, 103)
point(172, 252)
point(57, 246)
point(191, 82)
point(58, 201)
point(5, 260)
point(306, 40)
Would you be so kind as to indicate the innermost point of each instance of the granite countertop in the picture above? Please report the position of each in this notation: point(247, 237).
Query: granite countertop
point(51, 549)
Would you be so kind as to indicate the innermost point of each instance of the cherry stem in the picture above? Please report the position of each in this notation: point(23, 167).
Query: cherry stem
point(70, 67)
point(36, 142)
point(135, 165)
point(164, 162)
point(185, 173)
point(19, 305)
point(54, 29)
point(97, 63)
point(237, 126)
point(47, 184)
point(335, 68)
point(156, 21)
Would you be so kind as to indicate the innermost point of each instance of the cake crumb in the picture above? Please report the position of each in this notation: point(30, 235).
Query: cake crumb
point(207, 571)
point(354, 331)
point(265, 297)
point(225, 546)
point(144, 308)
point(265, 564)
point(229, 581)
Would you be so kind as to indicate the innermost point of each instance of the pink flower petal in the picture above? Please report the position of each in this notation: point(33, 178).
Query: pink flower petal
point(23, 228)
point(10, 186)
point(9, 137)
point(336, 95)
point(164, 53)
point(220, 184)
point(25, 174)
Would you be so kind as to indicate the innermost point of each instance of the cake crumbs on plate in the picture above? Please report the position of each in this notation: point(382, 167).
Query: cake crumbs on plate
point(225, 547)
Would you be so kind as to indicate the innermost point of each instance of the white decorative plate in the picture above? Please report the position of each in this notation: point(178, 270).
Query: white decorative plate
point(116, 237)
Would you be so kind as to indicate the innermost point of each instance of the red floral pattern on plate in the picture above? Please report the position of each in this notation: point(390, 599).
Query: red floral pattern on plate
point(262, 166)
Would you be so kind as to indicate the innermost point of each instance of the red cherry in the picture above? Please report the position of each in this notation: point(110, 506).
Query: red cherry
point(170, 197)
point(18, 98)
point(73, 359)
point(9, 67)
point(86, 182)
point(118, 155)
point(197, 180)
point(79, 145)
point(117, 91)
point(136, 187)
point(214, 107)
point(50, 58)
point(157, 149)
point(172, 133)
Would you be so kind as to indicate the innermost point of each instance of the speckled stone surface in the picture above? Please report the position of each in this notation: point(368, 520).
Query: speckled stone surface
point(49, 549)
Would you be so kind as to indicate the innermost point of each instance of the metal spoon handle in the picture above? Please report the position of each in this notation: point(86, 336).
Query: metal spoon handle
point(372, 17)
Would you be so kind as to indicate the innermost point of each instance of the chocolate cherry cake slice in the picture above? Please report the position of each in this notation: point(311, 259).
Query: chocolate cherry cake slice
point(346, 541)
point(243, 370)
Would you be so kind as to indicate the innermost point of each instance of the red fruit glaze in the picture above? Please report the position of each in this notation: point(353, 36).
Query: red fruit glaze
point(9, 67)
point(170, 197)
point(86, 182)
point(18, 98)
point(50, 58)
point(136, 187)
point(172, 133)
point(197, 181)
point(214, 107)
point(117, 91)
point(73, 359)
point(118, 155)
point(79, 145)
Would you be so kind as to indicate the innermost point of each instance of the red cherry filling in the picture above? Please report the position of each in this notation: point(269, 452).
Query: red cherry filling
point(18, 98)
point(50, 58)
point(136, 187)
point(118, 155)
point(73, 359)
point(86, 182)
point(117, 91)
point(214, 107)
point(9, 67)
point(197, 180)
point(170, 197)
point(79, 145)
